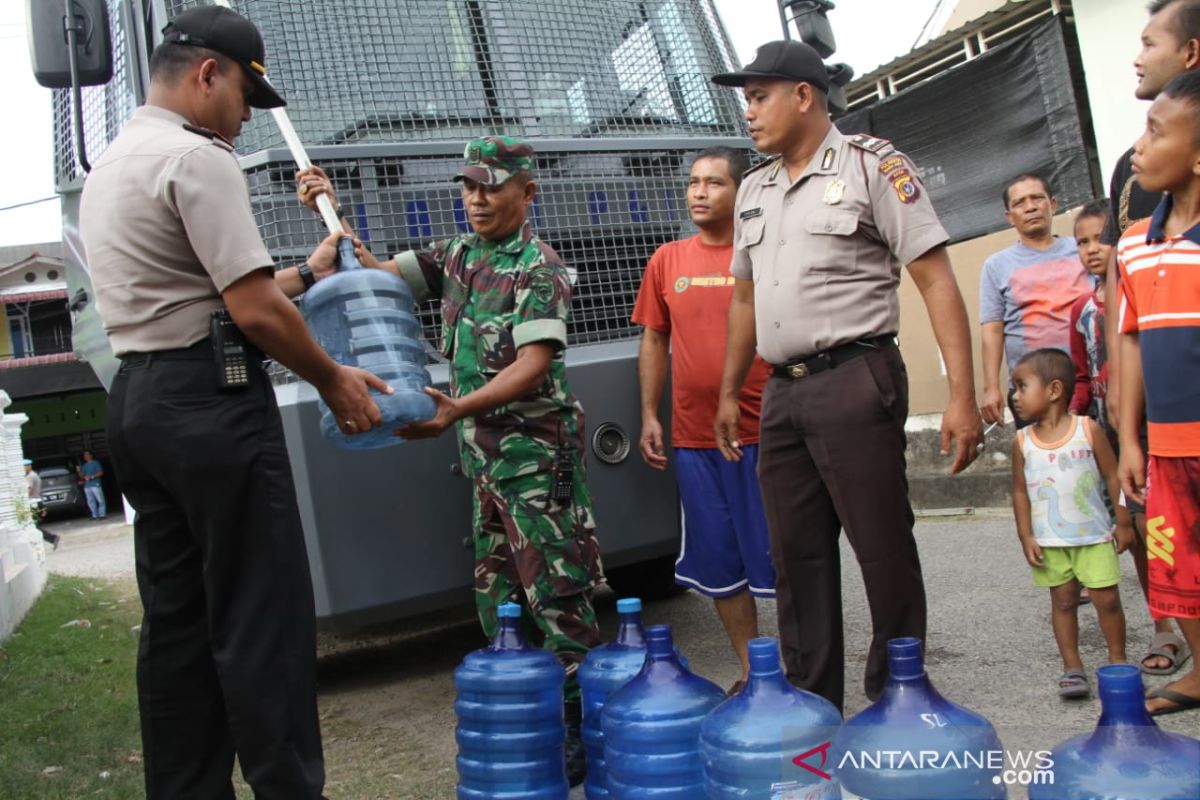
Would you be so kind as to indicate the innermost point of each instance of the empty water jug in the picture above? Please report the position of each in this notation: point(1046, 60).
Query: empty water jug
point(914, 744)
point(1126, 757)
point(605, 670)
point(771, 740)
point(652, 727)
point(364, 318)
point(510, 719)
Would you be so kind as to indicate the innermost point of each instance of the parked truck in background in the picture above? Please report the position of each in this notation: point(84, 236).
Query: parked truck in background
point(615, 97)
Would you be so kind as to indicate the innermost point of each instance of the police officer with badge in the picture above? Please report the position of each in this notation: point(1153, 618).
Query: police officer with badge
point(822, 230)
point(186, 292)
point(505, 298)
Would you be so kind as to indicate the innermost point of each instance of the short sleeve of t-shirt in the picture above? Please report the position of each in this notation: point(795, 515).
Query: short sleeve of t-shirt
point(903, 213)
point(206, 188)
point(1127, 322)
point(991, 296)
point(542, 303)
point(651, 306)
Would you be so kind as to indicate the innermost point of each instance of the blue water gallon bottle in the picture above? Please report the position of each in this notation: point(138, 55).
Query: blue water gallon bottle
point(364, 318)
point(1126, 757)
point(605, 670)
point(771, 740)
point(652, 727)
point(510, 719)
point(914, 744)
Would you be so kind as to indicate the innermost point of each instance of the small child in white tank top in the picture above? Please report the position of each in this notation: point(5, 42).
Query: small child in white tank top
point(1061, 467)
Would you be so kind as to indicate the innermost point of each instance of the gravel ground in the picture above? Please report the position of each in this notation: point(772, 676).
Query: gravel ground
point(387, 695)
point(93, 548)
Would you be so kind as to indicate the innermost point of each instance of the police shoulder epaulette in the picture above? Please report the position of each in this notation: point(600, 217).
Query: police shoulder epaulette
point(759, 166)
point(207, 134)
point(871, 144)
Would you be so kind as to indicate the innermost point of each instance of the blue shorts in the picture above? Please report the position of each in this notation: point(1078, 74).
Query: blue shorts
point(725, 548)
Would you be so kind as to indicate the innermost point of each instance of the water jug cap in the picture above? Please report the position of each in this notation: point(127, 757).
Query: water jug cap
point(764, 654)
point(628, 605)
point(905, 658)
point(509, 611)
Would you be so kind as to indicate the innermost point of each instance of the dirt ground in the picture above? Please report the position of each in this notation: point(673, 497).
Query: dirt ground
point(387, 708)
point(387, 695)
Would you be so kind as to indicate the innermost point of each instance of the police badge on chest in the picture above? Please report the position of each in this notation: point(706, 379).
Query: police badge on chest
point(835, 190)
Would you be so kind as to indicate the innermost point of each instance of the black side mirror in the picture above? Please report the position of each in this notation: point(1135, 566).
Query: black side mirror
point(78, 301)
point(811, 23)
point(70, 46)
point(839, 76)
point(66, 31)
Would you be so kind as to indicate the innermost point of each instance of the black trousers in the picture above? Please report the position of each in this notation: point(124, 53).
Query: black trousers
point(227, 657)
point(831, 456)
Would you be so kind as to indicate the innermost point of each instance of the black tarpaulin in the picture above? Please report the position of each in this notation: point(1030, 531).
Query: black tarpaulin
point(970, 130)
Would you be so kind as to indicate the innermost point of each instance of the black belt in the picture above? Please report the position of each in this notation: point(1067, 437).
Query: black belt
point(200, 351)
point(833, 357)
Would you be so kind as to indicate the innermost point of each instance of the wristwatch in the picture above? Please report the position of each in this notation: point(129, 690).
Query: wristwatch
point(306, 275)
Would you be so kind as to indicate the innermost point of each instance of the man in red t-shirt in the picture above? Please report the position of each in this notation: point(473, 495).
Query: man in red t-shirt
point(683, 304)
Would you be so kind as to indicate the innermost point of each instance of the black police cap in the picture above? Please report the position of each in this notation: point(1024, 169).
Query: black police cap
point(233, 36)
point(783, 60)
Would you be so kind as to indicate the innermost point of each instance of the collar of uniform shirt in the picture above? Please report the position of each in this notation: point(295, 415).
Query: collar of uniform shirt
point(820, 164)
point(513, 243)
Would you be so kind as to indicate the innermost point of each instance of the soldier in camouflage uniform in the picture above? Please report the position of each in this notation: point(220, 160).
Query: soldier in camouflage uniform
point(505, 299)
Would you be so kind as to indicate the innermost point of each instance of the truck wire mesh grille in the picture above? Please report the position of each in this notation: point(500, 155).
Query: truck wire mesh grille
point(605, 212)
point(614, 95)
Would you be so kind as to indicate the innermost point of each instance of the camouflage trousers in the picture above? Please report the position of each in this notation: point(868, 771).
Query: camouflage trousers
point(541, 554)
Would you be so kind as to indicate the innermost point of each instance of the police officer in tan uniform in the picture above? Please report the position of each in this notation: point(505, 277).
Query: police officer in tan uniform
point(226, 662)
point(821, 232)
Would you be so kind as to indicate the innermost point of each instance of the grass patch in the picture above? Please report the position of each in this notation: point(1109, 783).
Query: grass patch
point(69, 712)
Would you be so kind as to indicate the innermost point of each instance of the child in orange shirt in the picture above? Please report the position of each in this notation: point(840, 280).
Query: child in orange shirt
point(1159, 260)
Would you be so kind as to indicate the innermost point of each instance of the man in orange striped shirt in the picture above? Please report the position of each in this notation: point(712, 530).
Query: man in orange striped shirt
point(1159, 260)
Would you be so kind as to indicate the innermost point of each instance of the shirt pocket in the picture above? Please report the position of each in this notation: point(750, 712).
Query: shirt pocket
point(749, 240)
point(833, 246)
point(751, 232)
point(494, 348)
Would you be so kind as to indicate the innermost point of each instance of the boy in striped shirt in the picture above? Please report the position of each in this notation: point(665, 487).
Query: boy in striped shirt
point(1159, 261)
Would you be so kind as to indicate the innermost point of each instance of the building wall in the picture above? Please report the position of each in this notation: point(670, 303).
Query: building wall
point(22, 556)
point(926, 377)
point(1109, 39)
point(62, 415)
point(5, 338)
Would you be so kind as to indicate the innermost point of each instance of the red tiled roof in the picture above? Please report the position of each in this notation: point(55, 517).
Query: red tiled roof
point(29, 297)
point(36, 361)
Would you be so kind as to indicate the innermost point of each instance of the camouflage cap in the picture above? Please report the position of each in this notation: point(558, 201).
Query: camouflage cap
point(492, 160)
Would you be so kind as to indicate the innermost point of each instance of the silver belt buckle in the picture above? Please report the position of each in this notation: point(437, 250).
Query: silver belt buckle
point(798, 370)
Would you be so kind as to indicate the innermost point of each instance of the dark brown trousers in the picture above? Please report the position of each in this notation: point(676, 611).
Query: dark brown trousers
point(831, 456)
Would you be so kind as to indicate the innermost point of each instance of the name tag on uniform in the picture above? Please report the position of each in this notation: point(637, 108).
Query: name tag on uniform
point(750, 213)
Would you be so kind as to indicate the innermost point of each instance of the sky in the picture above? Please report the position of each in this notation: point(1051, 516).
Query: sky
point(26, 141)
